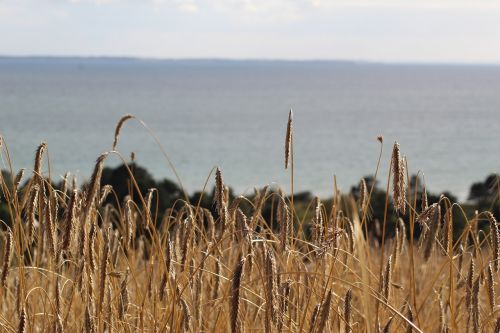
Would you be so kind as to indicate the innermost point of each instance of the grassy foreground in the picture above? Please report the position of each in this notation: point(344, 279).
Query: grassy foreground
point(72, 264)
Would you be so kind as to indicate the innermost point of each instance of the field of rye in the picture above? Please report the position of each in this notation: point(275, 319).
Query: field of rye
point(71, 263)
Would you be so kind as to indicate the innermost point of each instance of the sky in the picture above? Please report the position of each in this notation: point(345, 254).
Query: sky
point(444, 31)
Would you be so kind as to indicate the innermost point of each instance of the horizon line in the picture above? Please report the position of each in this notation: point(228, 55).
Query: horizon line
point(236, 59)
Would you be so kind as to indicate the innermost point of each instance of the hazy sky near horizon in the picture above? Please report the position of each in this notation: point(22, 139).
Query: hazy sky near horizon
point(377, 30)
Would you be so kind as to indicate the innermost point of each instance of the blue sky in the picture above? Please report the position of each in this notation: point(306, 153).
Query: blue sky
point(376, 30)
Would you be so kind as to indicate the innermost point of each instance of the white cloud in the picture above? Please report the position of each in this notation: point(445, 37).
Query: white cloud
point(274, 10)
point(18, 14)
point(410, 4)
point(188, 7)
point(98, 2)
point(262, 9)
point(265, 5)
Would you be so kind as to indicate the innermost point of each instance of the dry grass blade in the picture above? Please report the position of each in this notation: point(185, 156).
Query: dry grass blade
point(37, 169)
point(325, 312)
point(235, 296)
point(288, 138)
point(396, 174)
point(435, 224)
point(7, 256)
point(270, 289)
point(22, 327)
point(347, 311)
point(314, 318)
point(495, 240)
point(219, 190)
point(70, 221)
point(363, 195)
point(283, 217)
point(95, 183)
point(119, 127)
point(490, 281)
point(18, 178)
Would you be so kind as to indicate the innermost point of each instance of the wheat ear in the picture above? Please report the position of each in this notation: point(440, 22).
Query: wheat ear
point(288, 138)
point(119, 127)
point(235, 296)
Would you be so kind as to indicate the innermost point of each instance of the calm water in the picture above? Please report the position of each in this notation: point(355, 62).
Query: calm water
point(233, 114)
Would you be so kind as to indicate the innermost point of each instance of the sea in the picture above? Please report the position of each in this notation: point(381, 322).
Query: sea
point(204, 113)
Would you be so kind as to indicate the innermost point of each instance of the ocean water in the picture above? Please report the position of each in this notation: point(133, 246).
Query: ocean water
point(233, 114)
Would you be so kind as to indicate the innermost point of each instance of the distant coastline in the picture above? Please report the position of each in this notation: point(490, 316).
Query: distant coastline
point(216, 60)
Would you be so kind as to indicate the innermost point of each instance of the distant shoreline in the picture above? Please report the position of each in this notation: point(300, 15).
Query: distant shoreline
point(216, 60)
